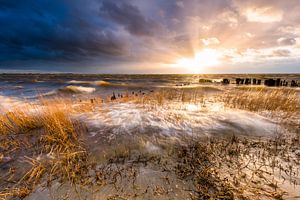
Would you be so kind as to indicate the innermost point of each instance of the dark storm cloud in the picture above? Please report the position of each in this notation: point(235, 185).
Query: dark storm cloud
point(128, 16)
point(59, 30)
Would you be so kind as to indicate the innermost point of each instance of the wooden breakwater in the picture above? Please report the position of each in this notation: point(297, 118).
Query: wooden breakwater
point(267, 82)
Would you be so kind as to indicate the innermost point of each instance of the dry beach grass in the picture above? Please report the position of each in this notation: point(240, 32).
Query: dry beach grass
point(56, 135)
point(262, 98)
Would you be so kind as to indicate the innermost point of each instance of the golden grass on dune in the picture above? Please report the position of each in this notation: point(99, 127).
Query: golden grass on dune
point(61, 138)
point(18, 121)
point(163, 96)
point(58, 138)
point(263, 99)
point(248, 98)
point(59, 129)
point(20, 192)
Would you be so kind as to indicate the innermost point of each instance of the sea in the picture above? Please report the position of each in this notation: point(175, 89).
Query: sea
point(32, 86)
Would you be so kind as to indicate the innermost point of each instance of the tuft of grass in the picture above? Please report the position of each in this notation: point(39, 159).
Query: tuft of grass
point(63, 155)
point(36, 172)
point(179, 95)
point(20, 192)
point(62, 139)
point(60, 130)
point(18, 121)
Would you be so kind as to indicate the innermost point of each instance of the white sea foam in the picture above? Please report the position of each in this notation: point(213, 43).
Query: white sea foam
point(174, 120)
point(7, 103)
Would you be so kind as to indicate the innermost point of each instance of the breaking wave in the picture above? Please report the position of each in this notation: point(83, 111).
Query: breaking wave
point(77, 89)
point(79, 82)
point(102, 83)
point(99, 83)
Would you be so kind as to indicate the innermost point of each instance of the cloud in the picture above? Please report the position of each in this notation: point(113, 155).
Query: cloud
point(281, 53)
point(286, 41)
point(128, 16)
point(180, 4)
point(210, 41)
point(263, 14)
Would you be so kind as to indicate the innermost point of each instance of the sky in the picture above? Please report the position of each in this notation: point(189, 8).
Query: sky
point(157, 36)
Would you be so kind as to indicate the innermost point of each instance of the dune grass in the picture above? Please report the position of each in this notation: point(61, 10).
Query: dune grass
point(163, 97)
point(65, 157)
point(18, 121)
point(283, 101)
point(258, 99)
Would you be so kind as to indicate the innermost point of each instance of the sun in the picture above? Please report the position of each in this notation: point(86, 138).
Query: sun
point(201, 60)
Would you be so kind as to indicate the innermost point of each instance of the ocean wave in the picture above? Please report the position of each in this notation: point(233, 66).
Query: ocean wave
point(102, 83)
point(77, 89)
point(37, 81)
point(79, 82)
point(99, 83)
point(70, 89)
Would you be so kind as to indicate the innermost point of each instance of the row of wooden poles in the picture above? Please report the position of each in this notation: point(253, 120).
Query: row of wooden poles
point(267, 82)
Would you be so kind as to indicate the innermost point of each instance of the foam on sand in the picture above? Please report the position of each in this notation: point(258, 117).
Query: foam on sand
point(188, 119)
